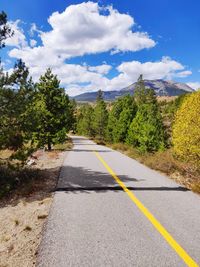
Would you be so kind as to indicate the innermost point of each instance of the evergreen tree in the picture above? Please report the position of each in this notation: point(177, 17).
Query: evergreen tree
point(128, 111)
point(143, 94)
point(140, 91)
point(120, 117)
point(100, 117)
point(5, 30)
point(85, 121)
point(51, 109)
point(13, 104)
point(146, 130)
point(19, 76)
point(73, 116)
point(113, 118)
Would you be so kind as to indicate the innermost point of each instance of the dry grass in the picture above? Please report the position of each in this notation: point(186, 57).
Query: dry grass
point(5, 154)
point(65, 146)
point(184, 173)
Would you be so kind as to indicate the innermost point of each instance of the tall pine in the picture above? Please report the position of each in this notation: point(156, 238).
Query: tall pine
point(51, 109)
point(100, 117)
point(120, 118)
point(85, 120)
point(146, 131)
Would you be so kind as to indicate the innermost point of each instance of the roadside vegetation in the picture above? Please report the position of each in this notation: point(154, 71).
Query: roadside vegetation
point(164, 135)
point(32, 116)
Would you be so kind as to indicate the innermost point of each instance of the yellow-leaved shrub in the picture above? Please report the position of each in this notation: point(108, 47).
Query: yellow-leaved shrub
point(186, 129)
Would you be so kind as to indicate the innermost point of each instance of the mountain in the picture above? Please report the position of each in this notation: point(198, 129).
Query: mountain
point(161, 88)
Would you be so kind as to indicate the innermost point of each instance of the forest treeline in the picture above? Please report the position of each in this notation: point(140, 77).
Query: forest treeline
point(143, 122)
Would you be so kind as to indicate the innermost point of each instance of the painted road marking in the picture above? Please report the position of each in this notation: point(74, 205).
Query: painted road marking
point(171, 241)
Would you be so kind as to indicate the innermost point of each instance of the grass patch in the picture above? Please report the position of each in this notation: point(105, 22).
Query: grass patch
point(14, 176)
point(64, 146)
point(5, 154)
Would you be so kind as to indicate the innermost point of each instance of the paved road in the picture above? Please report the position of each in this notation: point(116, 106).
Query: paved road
point(94, 222)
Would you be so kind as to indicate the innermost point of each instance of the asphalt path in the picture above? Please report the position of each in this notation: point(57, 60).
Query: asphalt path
point(110, 210)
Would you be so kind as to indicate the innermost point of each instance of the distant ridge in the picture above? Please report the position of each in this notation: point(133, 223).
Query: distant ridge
point(161, 88)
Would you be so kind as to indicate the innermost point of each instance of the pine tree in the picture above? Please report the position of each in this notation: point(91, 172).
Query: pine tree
point(120, 117)
point(146, 130)
point(143, 94)
point(100, 117)
point(85, 121)
point(5, 30)
point(113, 118)
point(51, 109)
point(15, 96)
point(140, 91)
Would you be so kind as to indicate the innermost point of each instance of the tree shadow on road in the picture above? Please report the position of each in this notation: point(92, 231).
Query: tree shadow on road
point(82, 180)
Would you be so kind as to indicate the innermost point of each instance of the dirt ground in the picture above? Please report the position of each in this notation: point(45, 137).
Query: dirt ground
point(22, 216)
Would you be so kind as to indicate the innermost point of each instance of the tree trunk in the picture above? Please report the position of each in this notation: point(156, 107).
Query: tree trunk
point(49, 144)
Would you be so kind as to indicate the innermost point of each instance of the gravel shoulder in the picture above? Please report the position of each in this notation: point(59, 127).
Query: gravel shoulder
point(22, 215)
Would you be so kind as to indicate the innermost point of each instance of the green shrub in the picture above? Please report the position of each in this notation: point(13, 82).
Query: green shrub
point(146, 131)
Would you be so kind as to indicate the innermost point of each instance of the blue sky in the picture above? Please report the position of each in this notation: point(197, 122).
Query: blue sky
point(103, 44)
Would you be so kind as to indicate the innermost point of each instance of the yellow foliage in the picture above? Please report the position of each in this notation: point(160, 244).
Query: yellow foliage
point(186, 129)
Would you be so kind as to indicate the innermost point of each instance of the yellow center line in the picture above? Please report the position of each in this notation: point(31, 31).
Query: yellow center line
point(171, 241)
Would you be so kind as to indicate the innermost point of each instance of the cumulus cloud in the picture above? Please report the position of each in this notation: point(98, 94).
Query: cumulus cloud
point(102, 69)
point(19, 38)
point(194, 85)
point(166, 68)
point(88, 28)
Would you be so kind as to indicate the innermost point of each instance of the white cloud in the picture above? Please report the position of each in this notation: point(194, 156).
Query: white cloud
point(37, 56)
point(87, 28)
point(34, 29)
point(183, 74)
point(164, 69)
point(33, 43)
point(102, 69)
point(18, 39)
point(194, 85)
